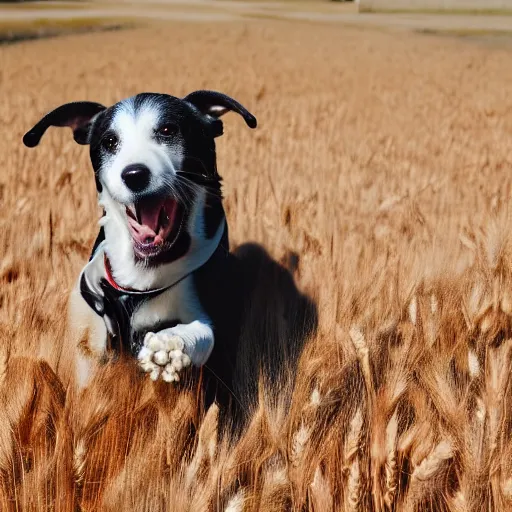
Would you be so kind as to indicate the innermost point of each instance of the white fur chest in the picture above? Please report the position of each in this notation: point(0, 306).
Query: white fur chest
point(179, 302)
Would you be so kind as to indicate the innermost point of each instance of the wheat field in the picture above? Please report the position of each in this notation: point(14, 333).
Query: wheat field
point(379, 176)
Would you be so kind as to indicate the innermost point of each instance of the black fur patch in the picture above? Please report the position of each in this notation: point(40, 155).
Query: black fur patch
point(94, 301)
point(101, 125)
point(100, 238)
point(213, 215)
point(177, 251)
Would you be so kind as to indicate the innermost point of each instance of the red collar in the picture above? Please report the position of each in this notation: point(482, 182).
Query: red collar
point(112, 282)
point(110, 277)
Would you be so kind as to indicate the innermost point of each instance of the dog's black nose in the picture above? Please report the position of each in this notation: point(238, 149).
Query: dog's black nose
point(136, 177)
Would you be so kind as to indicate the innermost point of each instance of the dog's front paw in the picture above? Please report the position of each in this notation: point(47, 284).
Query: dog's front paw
point(162, 356)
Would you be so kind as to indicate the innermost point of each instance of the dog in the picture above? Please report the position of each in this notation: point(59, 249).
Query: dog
point(161, 283)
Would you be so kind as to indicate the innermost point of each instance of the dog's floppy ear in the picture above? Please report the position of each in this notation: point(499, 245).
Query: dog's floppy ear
point(216, 104)
point(76, 115)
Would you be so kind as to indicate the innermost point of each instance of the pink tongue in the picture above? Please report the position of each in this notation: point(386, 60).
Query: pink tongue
point(149, 212)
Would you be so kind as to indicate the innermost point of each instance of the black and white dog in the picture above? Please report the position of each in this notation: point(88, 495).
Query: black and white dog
point(160, 282)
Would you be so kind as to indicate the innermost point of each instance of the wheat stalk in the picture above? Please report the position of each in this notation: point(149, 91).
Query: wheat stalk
point(206, 446)
point(299, 442)
point(353, 491)
point(473, 364)
point(236, 502)
point(79, 460)
point(4, 361)
point(458, 503)
point(352, 461)
point(391, 478)
point(422, 477)
point(363, 354)
point(427, 468)
point(321, 495)
point(276, 488)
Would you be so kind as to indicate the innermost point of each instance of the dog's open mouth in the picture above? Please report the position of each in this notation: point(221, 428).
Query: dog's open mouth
point(155, 224)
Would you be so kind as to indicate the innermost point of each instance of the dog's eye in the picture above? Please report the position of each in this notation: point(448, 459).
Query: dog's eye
point(110, 142)
point(167, 130)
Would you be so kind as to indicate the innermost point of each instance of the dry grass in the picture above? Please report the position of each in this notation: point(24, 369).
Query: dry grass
point(383, 161)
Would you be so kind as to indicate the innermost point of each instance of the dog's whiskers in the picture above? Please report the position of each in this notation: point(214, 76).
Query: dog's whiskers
point(195, 187)
point(204, 178)
point(176, 191)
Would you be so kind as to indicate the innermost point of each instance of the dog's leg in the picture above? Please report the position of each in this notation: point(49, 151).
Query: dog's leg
point(86, 338)
point(166, 352)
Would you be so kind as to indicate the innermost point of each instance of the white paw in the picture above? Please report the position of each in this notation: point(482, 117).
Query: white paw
point(162, 356)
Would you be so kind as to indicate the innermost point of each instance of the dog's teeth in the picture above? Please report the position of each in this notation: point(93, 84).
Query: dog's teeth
point(130, 211)
point(161, 357)
point(163, 220)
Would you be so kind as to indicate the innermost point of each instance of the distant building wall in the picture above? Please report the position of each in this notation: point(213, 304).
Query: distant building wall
point(485, 5)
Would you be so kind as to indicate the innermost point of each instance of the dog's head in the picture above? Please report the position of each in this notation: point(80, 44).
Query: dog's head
point(154, 161)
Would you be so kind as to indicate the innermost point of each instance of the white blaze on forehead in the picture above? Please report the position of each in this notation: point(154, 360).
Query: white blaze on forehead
point(135, 128)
